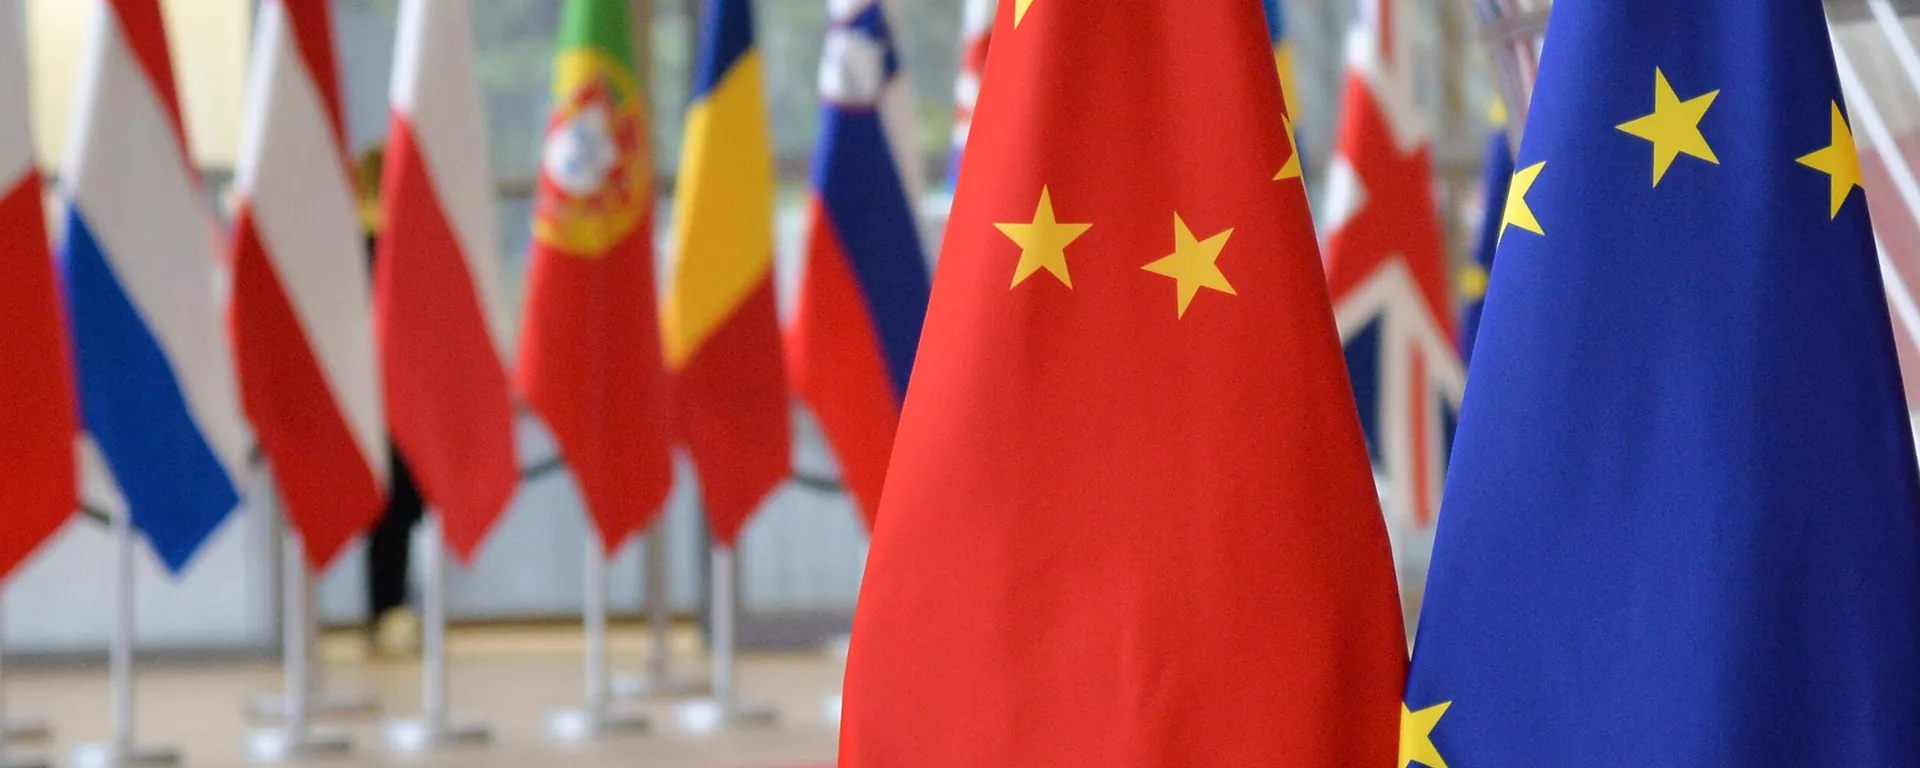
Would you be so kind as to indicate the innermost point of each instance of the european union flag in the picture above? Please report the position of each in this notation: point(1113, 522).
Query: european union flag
point(1680, 525)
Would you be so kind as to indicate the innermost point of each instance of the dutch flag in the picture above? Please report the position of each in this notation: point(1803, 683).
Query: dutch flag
point(156, 377)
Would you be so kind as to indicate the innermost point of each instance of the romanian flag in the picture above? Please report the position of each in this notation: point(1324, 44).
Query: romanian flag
point(719, 328)
point(1129, 521)
point(864, 294)
point(590, 341)
point(38, 415)
point(1683, 522)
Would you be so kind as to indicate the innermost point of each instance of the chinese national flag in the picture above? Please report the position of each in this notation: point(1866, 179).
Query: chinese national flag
point(1129, 521)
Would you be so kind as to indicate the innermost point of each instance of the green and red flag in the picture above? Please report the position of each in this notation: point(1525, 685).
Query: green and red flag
point(590, 361)
point(1129, 520)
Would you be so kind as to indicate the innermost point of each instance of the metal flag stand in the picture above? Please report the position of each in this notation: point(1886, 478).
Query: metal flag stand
point(659, 680)
point(831, 706)
point(17, 731)
point(596, 719)
point(296, 738)
point(434, 729)
point(123, 751)
point(724, 709)
point(316, 701)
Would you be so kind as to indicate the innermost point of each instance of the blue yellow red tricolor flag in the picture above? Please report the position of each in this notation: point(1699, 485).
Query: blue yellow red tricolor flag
point(718, 326)
point(864, 293)
point(1129, 521)
point(1473, 277)
point(1680, 526)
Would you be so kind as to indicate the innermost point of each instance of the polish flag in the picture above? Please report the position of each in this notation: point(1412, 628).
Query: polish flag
point(38, 414)
point(436, 278)
point(303, 336)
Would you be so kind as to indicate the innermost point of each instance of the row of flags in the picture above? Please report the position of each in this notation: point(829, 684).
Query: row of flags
point(1130, 521)
point(173, 358)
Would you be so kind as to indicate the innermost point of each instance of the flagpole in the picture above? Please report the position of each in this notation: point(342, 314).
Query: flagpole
point(434, 729)
point(10, 732)
point(296, 738)
point(724, 710)
point(595, 720)
point(658, 681)
point(122, 750)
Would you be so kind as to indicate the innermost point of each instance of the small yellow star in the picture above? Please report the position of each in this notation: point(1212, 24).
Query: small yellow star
point(1292, 169)
point(1840, 160)
point(1020, 11)
point(1518, 213)
point(1043, 242)
point(1192, 264)
point(1416, 736)
point(1674, 126)
point(1473, 282)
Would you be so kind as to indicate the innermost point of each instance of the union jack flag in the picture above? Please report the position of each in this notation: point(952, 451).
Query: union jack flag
point(1387, 268)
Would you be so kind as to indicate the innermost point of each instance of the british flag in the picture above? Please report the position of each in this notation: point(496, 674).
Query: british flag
point(1387, 269)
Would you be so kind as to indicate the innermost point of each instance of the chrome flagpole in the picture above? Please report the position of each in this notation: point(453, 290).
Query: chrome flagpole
point(434, 729)
point(596, 719)
point(13, 732)
point(724, 710)
point(659, 681)
point(296, 738)
point(123, 751)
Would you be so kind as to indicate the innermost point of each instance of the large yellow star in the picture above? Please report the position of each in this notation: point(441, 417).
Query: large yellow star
point(1416, 736)
point(1674, 126)
point(1043, 242)
point(1292, 169)
point(1518, 213)
point(1192, 265)
point(1840, 160)
point(1020, 11)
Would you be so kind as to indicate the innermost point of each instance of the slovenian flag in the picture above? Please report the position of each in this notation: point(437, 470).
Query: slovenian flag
point(37, 410)
point(718, 324)
point(302, 332)
point(156, 375)
point(865, 290)
point(436, 280)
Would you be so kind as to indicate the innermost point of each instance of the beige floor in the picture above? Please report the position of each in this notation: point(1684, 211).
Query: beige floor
point(511, 678)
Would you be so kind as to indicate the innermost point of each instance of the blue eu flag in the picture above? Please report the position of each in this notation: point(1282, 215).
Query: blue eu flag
point(1680, 523)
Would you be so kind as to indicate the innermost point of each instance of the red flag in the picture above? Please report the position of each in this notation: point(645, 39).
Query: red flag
point(1129, 521)
point(590, 345)
point(303, 340)
point(37, 408)
point(436, 279)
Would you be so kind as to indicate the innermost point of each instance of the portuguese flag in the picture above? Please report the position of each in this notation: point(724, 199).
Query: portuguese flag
point(590, 361)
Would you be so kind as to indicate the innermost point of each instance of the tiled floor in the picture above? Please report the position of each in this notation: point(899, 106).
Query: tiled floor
point(510, 678)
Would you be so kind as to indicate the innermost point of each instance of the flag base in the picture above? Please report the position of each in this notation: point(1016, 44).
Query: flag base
point(119, 756)
point(27, 731)
point(417, 736)
point(587, 725)
point(282, 745)
point(272, 707)
point(658, 687)
point(716, 715)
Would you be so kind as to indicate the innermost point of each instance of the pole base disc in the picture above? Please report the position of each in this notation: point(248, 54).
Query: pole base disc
point(587, 725)
point(114, 756)
point(282, 745)
point(715, 715)
point(418, 736)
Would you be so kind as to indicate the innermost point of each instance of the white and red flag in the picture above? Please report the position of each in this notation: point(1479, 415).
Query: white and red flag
point(1387, 267)
point(436, 283)
point(303, 336)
